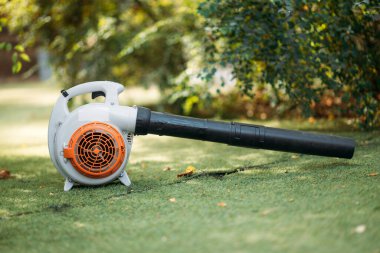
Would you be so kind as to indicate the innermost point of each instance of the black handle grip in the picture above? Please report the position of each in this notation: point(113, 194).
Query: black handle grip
point(243, 135)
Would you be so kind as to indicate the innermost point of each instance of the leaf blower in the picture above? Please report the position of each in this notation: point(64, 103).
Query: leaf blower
point(91, 144)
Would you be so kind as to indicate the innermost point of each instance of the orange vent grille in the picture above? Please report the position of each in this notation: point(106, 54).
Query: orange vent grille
point(96, 150)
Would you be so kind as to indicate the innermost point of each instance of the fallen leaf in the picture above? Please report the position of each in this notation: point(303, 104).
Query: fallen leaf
point(267, 211)
point(373, 174)
point(5, 174)
point(360, 229)
point(222, 204)
point(173, 200)
point(189, 170)
point(167, 168)
point(79, 224)
point(311, 120)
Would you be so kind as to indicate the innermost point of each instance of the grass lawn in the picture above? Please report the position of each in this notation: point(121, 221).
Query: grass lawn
point(279, 202)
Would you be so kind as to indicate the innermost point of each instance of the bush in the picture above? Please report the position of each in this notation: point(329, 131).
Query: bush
point(302, 49)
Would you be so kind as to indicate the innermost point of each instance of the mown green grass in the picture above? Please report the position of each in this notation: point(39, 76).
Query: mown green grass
point(280, 202)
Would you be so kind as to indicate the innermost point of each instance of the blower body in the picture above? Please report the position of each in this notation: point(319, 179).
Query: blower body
point(91, 145)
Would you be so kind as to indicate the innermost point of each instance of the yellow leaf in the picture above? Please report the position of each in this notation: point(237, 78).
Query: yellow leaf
point(25, 57)
point(16, 67)
point(19, 48)
point(189, 170)
point(321, 27)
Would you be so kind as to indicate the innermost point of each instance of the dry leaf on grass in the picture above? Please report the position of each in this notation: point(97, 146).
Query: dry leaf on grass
point(360, 229)
point(5, 174)
point(311, 120)
point(373, 174)
point(222, 204)
point(189, 171)
point(79, 224)
point(267, 211)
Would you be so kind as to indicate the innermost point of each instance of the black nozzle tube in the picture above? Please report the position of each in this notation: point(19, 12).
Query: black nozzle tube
point(243, 135)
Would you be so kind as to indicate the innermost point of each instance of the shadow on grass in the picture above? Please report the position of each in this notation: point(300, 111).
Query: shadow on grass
point(219, 174)
point(38, 176)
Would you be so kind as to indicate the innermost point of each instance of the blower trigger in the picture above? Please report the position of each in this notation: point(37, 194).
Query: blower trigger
point(64, 93)
point(96, 94)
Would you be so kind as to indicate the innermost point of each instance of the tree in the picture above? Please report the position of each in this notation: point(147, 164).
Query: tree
point(300, 48)
point(18, 52)
point(133, 42)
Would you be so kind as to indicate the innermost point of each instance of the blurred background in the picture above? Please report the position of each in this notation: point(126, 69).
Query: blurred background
point(227, 59)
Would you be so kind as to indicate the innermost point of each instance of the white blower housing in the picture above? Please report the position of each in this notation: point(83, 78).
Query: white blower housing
point(91, 145)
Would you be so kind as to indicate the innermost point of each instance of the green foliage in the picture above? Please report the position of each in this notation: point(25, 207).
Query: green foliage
point(133, 42)
point(184, 98)
point(300, 48)
point(18, 51)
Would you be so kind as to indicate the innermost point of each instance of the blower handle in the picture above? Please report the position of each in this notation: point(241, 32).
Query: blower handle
point(243, 135)
point(109, 90)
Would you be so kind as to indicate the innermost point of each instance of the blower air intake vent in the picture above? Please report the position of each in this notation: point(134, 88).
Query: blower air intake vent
point(96, 150)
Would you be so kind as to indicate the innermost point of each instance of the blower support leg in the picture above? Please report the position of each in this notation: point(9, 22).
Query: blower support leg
point(68, 184)
point(125, 179)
